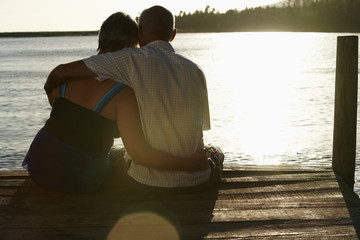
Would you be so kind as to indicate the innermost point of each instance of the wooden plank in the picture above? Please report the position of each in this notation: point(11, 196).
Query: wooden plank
point(270, 202)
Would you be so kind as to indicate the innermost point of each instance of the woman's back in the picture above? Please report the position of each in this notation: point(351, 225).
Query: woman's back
point(87, 93)
point(70, 153)
point(85, 114)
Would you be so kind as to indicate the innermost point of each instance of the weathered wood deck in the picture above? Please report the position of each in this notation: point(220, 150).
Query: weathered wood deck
point(273, 202)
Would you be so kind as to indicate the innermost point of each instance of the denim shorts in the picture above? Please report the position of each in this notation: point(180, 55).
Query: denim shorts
point(56, 165)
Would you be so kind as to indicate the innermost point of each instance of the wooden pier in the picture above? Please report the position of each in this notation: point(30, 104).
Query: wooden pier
point(251, 202)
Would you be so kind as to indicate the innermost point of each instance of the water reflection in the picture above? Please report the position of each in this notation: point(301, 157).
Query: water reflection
point(271, 94)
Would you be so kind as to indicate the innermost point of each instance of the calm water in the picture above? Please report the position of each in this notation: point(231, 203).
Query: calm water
point(271, 94)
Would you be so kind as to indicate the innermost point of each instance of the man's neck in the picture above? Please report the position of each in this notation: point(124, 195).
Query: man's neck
point(145, 42)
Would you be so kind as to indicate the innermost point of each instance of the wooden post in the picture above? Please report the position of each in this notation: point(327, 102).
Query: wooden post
point(345, 118)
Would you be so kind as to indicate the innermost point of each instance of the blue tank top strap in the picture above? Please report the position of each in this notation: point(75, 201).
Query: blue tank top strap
point(106, 98)
point(62, 90)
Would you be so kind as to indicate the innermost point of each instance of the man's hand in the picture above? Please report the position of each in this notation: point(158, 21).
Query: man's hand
point(53, 80)
point(65, 72)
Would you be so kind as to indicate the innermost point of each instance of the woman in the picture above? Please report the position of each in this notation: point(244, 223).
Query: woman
point(70, 153)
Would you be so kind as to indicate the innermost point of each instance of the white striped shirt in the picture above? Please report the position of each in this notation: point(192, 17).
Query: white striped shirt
point(173, 104)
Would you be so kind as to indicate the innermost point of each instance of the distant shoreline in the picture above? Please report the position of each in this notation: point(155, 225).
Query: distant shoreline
point(48, 34)
point(95, 33)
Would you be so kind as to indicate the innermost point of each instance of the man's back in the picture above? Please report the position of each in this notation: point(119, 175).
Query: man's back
point(172, 96)
point(173, 104)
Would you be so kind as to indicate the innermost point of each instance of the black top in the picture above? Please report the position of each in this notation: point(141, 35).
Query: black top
point(81, 127)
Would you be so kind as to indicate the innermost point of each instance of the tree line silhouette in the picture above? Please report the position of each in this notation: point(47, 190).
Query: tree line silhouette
point(295, 15)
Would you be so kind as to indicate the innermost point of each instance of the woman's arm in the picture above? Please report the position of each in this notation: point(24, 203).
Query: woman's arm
point(129, 126)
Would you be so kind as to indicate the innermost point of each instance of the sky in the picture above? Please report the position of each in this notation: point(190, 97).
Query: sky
point(88, 15)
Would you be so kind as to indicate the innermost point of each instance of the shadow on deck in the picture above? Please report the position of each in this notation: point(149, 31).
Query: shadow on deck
point(277, 202)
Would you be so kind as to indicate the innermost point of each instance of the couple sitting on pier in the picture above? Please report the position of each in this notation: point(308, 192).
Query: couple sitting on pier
point(155, 99)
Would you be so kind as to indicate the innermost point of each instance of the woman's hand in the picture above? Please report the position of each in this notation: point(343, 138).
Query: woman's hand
point(198, 160)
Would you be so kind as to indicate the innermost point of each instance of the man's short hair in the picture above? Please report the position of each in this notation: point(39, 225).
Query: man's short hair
point(157, 21)
point(118, 31)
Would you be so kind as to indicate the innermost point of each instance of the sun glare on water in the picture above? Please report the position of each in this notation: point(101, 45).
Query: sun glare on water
point(255, 85)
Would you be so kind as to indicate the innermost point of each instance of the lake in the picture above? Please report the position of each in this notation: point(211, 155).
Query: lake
point(271, 94)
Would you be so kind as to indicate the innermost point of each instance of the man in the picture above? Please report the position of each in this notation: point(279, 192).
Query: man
point(171, 92)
